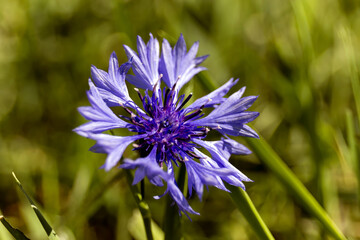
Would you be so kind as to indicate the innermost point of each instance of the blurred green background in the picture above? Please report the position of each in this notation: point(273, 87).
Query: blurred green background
point(300, 57)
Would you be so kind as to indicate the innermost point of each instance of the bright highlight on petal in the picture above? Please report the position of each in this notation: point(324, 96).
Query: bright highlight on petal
point(166, 132)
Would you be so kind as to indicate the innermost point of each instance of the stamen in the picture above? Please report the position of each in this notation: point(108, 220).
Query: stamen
point(174, 86)
point(183, 104)
point(193, 154)
point(166, 96)
point(157, 82)
point(192, 115)
point(169, 98)
point(199, 134)
point(125, 117)
point(128, 111)
point(180, 99)
point(139, 94)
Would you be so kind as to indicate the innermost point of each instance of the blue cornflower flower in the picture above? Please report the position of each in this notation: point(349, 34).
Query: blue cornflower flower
point(168, 134)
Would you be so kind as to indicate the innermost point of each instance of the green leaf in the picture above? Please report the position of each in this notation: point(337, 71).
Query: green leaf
point(48, 229)
point(293, 185)
point(247, 208)
point(16, 233)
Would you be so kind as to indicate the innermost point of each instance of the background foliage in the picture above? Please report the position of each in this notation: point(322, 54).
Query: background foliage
point(300, 56)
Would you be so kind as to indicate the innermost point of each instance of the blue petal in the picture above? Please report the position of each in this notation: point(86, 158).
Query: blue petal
point(145, 64)
point(179, 198)
point(231, 116)
point(234, 147)
point(220, 154)
point(175, 193)
point(200, 175)
point(111, 85)
point(114, 146)
point(235, 177)
point(176, 65)
point(146, 166)
point(99, 114)
point(215, 97)
point(135, 81)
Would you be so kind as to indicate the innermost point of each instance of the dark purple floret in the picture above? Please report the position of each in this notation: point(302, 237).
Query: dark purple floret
point(167, 125)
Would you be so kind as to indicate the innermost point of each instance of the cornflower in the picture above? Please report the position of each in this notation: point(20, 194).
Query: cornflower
point(168, 133)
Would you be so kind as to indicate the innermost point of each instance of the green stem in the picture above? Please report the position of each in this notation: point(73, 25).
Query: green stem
point(247, 208)
point(142, 205)
point(172, 224)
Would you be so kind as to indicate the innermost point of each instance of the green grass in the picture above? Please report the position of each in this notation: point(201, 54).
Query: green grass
point(300, 57)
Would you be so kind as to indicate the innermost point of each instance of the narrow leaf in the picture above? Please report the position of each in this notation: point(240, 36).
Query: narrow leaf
point(247, 208)
point(48, 229)
point(276, 165)
point(293, 185)
point(16, 233)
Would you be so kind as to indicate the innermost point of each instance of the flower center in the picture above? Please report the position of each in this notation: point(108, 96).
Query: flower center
point(168, 126)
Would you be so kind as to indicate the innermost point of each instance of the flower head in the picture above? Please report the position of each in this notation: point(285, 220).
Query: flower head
point(166, 131)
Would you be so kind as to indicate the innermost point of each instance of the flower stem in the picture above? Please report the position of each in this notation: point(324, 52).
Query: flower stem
point(142, 205)
point(172, 224)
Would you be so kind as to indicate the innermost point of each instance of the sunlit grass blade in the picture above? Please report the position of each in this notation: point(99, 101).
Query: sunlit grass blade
point(16, 233)
point(48, 229)
point(142, 205)
point(247, 208)
point(293, 185)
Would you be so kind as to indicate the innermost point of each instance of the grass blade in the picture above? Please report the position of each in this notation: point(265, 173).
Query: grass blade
point(272, 161)
point(16, 233)
point(247, 208)
point(293, 185)
point(48, 229)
